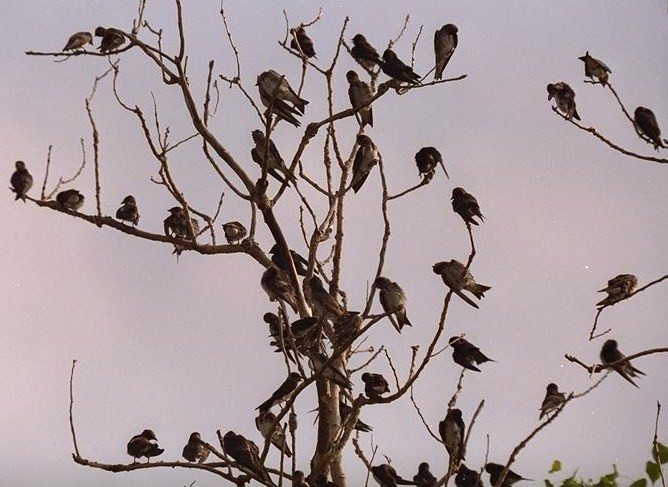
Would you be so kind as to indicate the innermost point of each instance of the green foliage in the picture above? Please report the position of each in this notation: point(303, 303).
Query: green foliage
point(663, 453)
point(556, 466)
point(653, 471)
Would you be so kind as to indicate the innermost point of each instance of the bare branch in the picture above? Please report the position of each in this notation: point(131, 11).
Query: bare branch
point(655, 443)
point(596, 368)
point(74, 435)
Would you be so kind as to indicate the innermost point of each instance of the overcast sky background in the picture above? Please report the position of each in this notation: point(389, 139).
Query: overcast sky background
point(181, 347)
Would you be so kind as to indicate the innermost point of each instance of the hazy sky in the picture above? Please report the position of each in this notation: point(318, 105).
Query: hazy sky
point(181, 347)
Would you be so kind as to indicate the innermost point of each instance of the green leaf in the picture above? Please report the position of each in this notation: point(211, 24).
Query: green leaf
point(548, 483)
point(556, 466)
point(663, 453)
point(639, 483)
point(652, 470)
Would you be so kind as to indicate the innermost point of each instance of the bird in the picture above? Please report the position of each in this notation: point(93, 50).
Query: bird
point(299, 479)
point(318, 361)
point(245, 453)
point(375, 385)
point(564, 96)
point(112, 39)
point(366, 157)
point(467, 478)
point(346, 327)
point(275, 92)
point(466, 354)
point(144, 445)
point(619, 287)
point(277, 257)
point(595, 68)
point(424, 477)
point(306, 332)
point(264, 422)
point(70, 199)
point(345, 410)
point(387, 476)
point(452, 432)
point(445, 43)
point(128, 211)
point(273, 161)
point(78, 40)
point(426, 160)
point(610, 353)
point(495, 470)
point(179, 225)
point(283, 393)
point(302, 42)
point(395, 68)
point(466, 206)
point(195, 450)
point(364, 53)
point(324, 305)
point(553, 399)
point(21, 181)
point(360, 95)
point(277, 286)
point(646, 124)
point(234, 231)
point(457, 277)
point(279, 340)
point(393, 299)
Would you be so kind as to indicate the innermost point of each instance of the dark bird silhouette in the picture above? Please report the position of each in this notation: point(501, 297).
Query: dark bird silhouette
point(128, 212)
point(495, 470)
point(302, 42)
point(387, 476)
point(364, 53)
point(366, 157)
point(345, 410)
point(278, 341)
point(375, 385)
point(306, 332)
point(70, 199)
point(552, 401)
point(619, 287)
point(452, 432)
point(595, 68)
point(273, 162)
point(112, 39)
point(457, 277)
point(283, 392)
point(78, 40)
point(318, 361)
point(426, 160)
point(277, 257)
point(346, 327)
point(21, 181)
point(264, 423)
point(466, 206)
point(445, 43)
point(424, 477)
point(610, 353)
point(393, 300)
point(299, 479)
point(360, 95)
point(275, 92)
point(564, 96)
point(395, 68)
point(323, 304)
point(195, 450)
point(277, 286)
point(646, 124)
point(466, 354)
point(144, 445)
point(235, 232)
point(467, 478)
point(245, 453)
point(178, 225)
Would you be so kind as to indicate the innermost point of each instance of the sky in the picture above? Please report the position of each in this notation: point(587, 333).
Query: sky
point(180, 346)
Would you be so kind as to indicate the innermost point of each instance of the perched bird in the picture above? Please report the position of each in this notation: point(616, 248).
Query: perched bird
point(235, 232)
point(457, 277)
point(618, 288)
point(306, 332)
point(395, 68)
point(279, 339)
point(195, 450)
point(467, 478)
point(179, 225)
point(553, 399)
point(78, 40)
point(273, 162)
point(277, 286)
point(495, 470)
point(595, 68)
point(393, 300)
point(364, 53)
point(387, 476)
point(283, 392)
point(345, 410)
point(610, 353)
point(318, 361)
point(324, 305)
point(21, 180)
point(426, 160)
point(466, 206)
point(302, 42)
point(264, 423)
point(466, 354)
point(366, 157)
point(452, 432)
point(275, 92)
point(245, 453)
point(360, 95)
point(277, 257)
point(299, 479)
point(375, 385)
point(128, 212)
point(445, 43)
point(424, 477)
point(646, 124)
point(112, 39)
point(564, 96)
point(70, 199)
point(346, 327)
point(144, 445)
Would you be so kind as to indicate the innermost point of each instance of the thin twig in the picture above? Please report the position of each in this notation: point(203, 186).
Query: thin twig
point(74, 435)
point(655, 443)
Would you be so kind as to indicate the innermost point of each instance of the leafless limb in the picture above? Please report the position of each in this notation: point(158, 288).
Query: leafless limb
point(458, 389)
point(655, 443)
point(62, 180)
point(46, 171)
point(421, 416)
point(237, 78)
point(74, 435)
point(392, 42)
point(596, 368)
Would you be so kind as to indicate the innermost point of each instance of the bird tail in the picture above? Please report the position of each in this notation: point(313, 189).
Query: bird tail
point(479, 290)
